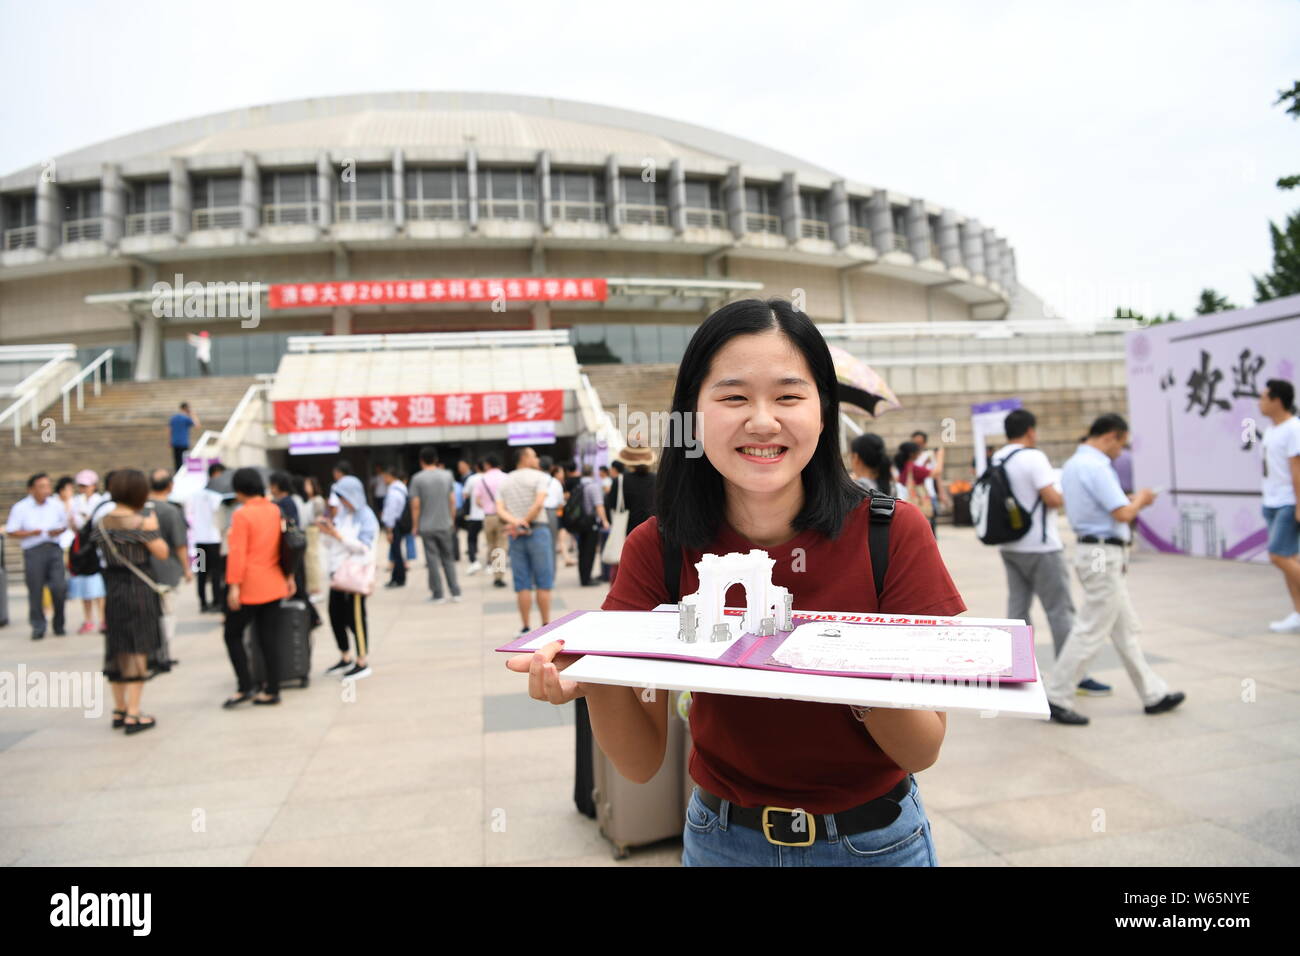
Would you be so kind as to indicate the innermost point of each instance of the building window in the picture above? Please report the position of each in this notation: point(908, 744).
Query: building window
point(148, 207)
point(899, 214)
point(643, 203)
point(813, 223)
point(507, 193)
point(20, 222)
point(859, 222)
point(704, 205)
point(437, 193)
point(81, 214)
point(762, 209)
point(934, 237)
point(216, 202)
point(368, 198)
point(578, 197)
point(290, 197)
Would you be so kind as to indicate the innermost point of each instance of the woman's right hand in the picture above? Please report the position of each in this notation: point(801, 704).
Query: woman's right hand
point(543, 668)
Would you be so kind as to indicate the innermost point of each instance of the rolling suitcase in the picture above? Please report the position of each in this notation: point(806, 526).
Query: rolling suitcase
point(634, 814)
point(293, 620)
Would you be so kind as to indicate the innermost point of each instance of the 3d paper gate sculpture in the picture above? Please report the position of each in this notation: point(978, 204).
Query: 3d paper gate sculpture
point(767, 607)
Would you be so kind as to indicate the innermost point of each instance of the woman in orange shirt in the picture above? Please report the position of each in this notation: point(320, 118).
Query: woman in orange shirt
point(255, 585)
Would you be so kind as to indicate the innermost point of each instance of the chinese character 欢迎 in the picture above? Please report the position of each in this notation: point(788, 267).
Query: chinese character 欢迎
point(1201, 385)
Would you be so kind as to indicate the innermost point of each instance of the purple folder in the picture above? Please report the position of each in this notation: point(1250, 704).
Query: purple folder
point(755, 651)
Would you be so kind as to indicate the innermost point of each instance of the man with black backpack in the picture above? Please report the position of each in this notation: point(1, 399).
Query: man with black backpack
point(396, 519)
point(1020, 509)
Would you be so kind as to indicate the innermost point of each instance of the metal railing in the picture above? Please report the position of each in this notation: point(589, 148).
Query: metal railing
point(599, 420)
point(698, 218)
point(148, 223)
point(363, 210)
point(216, 217)
point(290, 213)
point(636, 214)
point(211, 441)
point(78, 382)
point(578, 211)
point(22, 237)
point(860, 235)
point(814, 229)
point(76, 230)
point(425, 340)
point(900, 242)
point(517, 209)
point(436, 209)
point(760, 222)
point(16, 411)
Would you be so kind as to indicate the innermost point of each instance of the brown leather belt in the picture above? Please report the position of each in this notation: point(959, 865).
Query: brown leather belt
point(784, 826)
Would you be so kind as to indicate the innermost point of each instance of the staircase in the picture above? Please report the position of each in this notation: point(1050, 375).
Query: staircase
point(1063, 414)
point(123, 427)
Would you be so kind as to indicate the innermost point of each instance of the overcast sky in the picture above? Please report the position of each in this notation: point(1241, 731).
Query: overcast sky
point(1127, 150)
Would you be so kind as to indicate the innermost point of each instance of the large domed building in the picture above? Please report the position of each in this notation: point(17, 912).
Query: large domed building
point(386, 213)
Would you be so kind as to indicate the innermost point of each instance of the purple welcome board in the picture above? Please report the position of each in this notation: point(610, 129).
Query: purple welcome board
point(755, 651)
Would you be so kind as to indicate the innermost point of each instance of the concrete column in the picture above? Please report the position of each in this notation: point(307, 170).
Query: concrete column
point(324, 189)
point(972, 246)
point(677, 197)
point(399, 188)
point(948, 239)
point(182, 198)
point(49, 221)
point(541, 315)
point(612, 197)
point(881, 218)
point(846, 297)
point(112, 203)
point(148, 330)
point(342, 321)
point(342, 263)
point(992, 268)
point(250, 195)
point(471, 165)
point(544, 188)
point(733, 200)
point(918, 230)
point(788, 197)
point(1004, 264)
point(838, 214)
point(1013, 277)
point(537, 259)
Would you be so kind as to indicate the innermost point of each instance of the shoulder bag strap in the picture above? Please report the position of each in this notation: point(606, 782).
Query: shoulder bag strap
point(672, 570)
point(108, 539)
point(880, 517)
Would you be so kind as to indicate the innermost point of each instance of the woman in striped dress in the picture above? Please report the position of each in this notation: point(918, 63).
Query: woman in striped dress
point(134, 649)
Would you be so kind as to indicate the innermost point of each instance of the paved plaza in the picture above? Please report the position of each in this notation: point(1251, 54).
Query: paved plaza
point(442, 741)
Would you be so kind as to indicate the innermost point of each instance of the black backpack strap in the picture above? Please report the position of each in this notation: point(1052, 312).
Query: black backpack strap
point(880, 517)
point(672, 570)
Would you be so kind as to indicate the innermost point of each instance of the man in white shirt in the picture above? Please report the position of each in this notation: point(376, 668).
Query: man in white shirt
point(201, 514)
point(1035, 563)
point(1280, 491)
point(37, 521)
point(474, 519)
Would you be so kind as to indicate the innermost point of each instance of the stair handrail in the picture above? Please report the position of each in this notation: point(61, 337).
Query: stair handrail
point(218, 440)
point(15, 409)
point(78, 382)
point(602, 422)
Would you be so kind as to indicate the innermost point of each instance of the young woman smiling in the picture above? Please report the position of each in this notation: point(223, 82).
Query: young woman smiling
point(759, 385)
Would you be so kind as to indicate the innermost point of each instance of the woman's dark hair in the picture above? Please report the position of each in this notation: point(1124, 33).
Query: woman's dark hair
point(314, 491)
point(906, 452)
point(247, 482)
point(870, 449)
point(694, 486)
point(129, 487)
point(62, 483)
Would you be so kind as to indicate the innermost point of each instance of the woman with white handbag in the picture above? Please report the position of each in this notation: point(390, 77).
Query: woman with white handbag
point(630, 501)
point(349, 541)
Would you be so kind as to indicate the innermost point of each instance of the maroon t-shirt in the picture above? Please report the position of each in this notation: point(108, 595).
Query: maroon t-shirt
point(764, 752)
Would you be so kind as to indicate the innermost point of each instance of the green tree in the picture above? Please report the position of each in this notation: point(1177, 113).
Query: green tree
point(1285, 277)
point(1212, 302)
point(1291, 97)
point(1122, 312)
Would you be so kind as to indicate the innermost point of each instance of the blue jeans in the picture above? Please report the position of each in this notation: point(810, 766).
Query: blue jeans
point(708, 840)
point(532, 560)
point(1283, 530)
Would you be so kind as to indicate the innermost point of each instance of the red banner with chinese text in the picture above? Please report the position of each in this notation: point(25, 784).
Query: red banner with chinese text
point(305, 295)
point(417, 411)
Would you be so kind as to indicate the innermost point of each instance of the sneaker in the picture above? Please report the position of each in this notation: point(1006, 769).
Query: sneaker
point(339, 667)
point(59, 632)
point(1168, 702)
point(1064, 715)
point(1092, 688)
point(455, 598)
point(523, 631)
point(1288, 625)
point(474, 568)
point(437, 600)
point(357, 673)
point(498, 583)
point(87, 628)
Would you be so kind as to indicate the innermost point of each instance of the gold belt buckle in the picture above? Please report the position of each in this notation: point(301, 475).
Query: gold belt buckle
point(767, 825)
